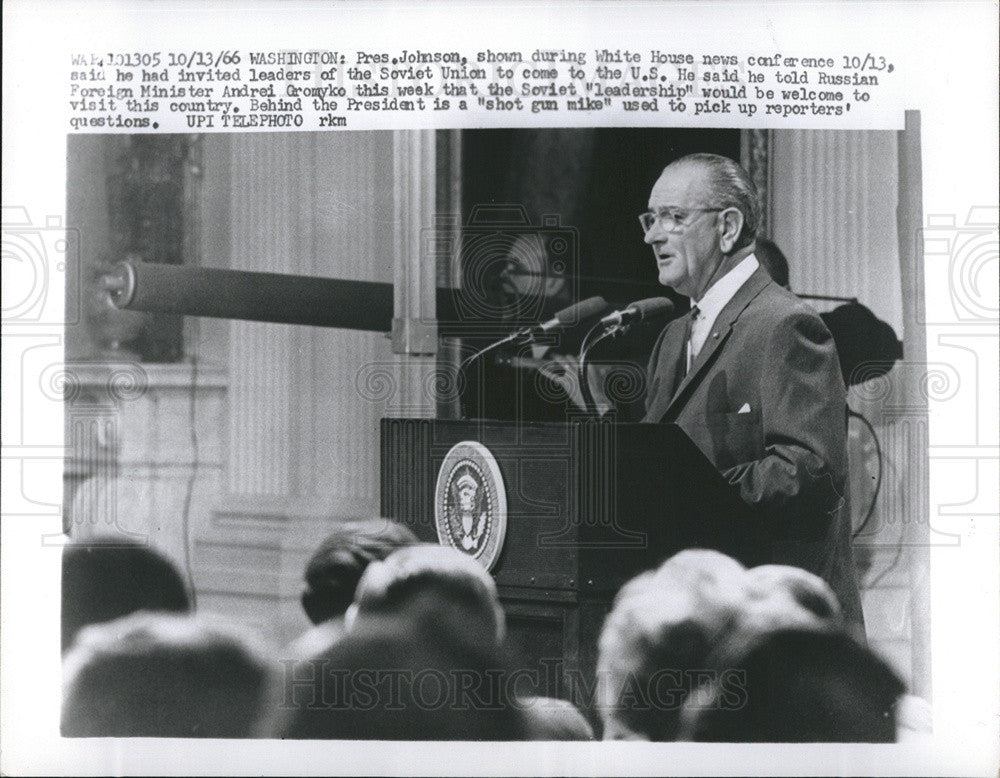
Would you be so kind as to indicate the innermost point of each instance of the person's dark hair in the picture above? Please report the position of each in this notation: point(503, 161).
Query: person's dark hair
point(333, 571)
point(796, 686)
point(730, 186)
point(773, 260)
point(867, 346)
point(160, 675)
point(107, 578)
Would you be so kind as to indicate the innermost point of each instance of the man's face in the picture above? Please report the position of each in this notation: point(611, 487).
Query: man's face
point(688, 252)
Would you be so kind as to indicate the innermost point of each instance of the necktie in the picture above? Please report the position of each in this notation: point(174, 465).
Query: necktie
point(684, 359)
point(689, 347)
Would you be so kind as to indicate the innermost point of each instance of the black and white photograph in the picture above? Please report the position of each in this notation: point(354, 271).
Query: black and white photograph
point(649, 444)
point(245, 391)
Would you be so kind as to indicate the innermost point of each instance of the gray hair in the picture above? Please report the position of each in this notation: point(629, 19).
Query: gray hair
point(451, 575)
point(730, 187)
point(166, 675)
point(665, 621)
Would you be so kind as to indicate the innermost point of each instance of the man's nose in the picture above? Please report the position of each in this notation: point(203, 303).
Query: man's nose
point(656, 233)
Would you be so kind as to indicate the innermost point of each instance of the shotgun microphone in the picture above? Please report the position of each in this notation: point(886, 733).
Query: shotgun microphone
point(637, 311)
point(567, 317)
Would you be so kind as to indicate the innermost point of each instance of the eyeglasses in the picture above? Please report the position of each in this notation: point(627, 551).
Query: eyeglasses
point(672, 219)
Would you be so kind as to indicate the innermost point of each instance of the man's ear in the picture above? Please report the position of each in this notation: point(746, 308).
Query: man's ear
point(730, 227)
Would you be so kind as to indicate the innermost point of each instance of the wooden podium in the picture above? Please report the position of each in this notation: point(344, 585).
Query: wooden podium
point(589, 505)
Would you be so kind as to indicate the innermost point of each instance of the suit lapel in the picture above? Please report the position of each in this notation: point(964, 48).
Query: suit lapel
point(675, 349)
point(669, 363)
point(721, 329)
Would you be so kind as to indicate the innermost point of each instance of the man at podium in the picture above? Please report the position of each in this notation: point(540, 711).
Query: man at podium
point(751, 373)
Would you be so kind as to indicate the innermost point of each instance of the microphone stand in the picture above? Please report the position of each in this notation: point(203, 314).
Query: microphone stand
point(566, 317)
point(523, 335)
point(512, 338)
point(584, 366)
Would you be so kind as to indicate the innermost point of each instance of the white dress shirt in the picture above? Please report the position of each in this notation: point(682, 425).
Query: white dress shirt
point(714, 300)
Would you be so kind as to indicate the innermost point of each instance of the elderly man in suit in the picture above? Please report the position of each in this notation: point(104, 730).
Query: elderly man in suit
point(750, 373)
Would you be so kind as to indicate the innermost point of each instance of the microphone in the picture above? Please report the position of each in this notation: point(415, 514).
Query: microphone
point(585, 309)
point(614, 324)
point(567, 317)
point(637, 311)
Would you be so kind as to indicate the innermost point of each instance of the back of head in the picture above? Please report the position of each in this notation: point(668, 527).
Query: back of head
point(108, 578)
point(405, 677)
point(333, 571)
point(796, 685)
point(549, 718)
point(786, 596)
point(702, 569)
point(434, 577)
point(157, 675)
point(730, 186)
point(657, 639)
point(867, 346)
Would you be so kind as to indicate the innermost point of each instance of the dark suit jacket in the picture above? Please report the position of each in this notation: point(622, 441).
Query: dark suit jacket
point(770, 352)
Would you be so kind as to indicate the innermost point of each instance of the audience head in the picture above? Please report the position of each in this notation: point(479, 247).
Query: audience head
point(657, 639)
point(698, 567)
point(773, 261)
point(160, 675)
point(333, 571)
point(107, 578)
point(549, 718)
point(407, 674)
point(782, 595)
point(700, 649)
point(799, 685)
point(426, 578)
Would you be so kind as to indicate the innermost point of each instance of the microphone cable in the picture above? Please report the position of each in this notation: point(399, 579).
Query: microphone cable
point(851, 413)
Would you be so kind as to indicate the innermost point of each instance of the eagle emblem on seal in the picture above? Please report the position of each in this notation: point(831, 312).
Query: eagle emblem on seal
point(466, 516)
point(470, 507)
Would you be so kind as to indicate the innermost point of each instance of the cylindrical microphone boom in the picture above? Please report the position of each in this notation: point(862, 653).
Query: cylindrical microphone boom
point(242, 294)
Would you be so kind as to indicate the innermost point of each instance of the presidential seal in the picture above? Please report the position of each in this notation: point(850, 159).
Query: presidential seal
point(470, 505)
